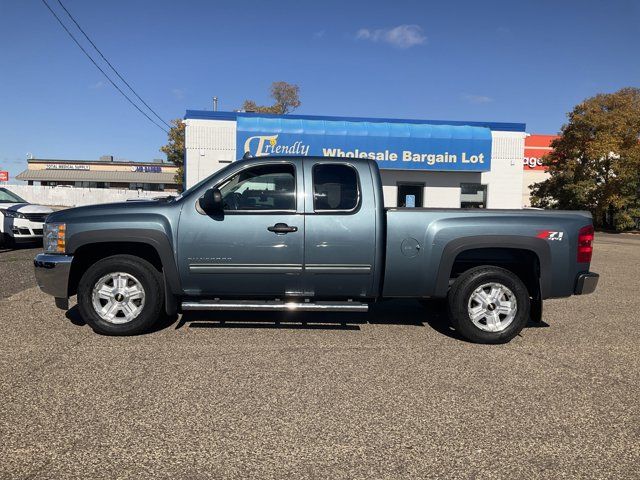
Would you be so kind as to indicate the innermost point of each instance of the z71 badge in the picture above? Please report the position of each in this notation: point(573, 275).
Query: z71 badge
point(551, 235)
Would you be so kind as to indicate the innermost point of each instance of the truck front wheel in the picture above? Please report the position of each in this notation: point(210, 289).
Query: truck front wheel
point(488, 305)
point(121, 295)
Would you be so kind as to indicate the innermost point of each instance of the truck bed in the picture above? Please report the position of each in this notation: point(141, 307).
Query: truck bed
point(423, 241)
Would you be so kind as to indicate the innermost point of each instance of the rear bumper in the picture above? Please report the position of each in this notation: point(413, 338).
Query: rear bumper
point(52, 273)
point(586, 283)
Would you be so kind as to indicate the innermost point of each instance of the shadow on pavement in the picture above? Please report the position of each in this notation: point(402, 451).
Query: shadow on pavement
point(404, 312)
point(21, 246)
point(73, 315)
point(394, 312)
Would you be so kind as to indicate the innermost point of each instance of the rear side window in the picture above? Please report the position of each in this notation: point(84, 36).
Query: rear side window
point(335, 188)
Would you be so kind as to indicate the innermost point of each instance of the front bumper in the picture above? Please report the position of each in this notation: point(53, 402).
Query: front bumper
point(26, 230)
point(586, 283)
point(52, 273)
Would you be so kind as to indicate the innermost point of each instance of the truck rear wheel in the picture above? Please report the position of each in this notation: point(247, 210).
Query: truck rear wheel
point(488, 305)
point(121, 295)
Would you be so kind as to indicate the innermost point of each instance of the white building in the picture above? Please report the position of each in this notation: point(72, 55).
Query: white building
point(423, 163)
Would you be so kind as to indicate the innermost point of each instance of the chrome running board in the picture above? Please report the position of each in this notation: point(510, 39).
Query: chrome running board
point(275, 305)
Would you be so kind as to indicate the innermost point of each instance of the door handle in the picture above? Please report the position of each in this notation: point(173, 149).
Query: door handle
point(282, 228)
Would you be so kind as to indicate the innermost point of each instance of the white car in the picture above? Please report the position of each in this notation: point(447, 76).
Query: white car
point(20, 221)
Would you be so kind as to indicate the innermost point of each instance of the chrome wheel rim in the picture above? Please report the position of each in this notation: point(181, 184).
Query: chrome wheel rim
point(492, 307)
point(118, 297)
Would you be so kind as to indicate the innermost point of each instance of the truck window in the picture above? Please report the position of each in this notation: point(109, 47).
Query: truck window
point(263, 187)
point(335, 187)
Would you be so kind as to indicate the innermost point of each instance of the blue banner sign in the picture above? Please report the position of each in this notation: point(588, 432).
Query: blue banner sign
point(400, 146)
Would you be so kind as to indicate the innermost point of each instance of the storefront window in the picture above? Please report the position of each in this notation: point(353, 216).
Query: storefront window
point(84, 184)
point(410, 195)
point(151, 187)
point(473, 195)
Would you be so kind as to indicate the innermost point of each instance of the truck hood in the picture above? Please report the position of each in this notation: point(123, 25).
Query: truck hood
point(94, 213)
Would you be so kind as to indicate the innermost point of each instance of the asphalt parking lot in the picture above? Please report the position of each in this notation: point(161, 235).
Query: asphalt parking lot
point(14, 269)
point(390, 394)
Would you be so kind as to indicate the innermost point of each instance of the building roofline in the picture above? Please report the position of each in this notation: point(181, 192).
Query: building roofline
point(167, 178)
point(232, 116)
point(100, 162)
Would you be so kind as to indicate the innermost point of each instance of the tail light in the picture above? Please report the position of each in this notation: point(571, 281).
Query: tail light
point(585, 244)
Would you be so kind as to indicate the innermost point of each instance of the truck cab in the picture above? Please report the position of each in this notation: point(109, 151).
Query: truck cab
point(286, 228)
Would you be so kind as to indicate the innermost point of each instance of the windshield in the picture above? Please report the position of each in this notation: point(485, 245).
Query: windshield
point(9, 197)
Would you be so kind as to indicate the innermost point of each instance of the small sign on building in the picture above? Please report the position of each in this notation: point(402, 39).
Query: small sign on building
point(4, 176)
point(66, 166)
point(410, 201)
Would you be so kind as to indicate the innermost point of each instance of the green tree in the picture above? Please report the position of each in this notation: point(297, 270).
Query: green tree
point(595, 164)
point(285, 96)
point(174, 149)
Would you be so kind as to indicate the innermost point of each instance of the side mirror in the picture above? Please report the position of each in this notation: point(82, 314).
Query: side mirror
point(211, 201)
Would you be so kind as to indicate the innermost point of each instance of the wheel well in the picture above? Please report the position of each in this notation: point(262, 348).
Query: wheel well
point(524, 263)
point(87, 255)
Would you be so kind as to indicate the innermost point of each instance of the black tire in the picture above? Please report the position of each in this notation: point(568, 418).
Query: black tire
point(148, 277)
point(460, 295)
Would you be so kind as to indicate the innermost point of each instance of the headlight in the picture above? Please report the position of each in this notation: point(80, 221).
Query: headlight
point(53, 237)
point(11, 213)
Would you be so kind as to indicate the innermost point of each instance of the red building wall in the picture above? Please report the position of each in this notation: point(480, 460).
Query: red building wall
point(535, 147)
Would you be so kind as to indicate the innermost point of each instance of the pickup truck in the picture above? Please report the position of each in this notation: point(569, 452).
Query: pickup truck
point(309, 234)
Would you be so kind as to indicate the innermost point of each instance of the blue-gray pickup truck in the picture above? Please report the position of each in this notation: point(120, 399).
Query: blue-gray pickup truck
point(309, 234)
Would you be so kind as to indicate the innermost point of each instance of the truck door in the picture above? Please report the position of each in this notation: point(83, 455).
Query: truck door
point(256, 246)
point(340, 229)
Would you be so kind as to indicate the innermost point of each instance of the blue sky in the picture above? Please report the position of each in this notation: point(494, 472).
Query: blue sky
point(513, 61)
